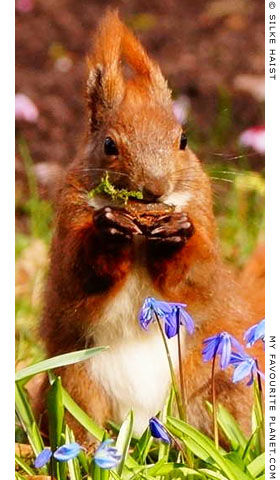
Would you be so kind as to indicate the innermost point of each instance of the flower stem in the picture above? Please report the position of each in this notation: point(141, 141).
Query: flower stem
point(180, 449)
point(172, 372)
point(214, 403)
point(188, 456)
point(261, 402)
point(52, 468)
point(181, 373)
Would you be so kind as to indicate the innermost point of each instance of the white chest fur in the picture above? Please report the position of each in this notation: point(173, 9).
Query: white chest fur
point(136, 376)
point(134, 370)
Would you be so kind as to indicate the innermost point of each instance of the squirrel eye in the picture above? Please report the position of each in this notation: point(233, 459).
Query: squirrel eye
point(110, 148)
point(183, 142)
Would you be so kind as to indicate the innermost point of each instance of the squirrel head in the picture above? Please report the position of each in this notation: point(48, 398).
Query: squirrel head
point(132, 131)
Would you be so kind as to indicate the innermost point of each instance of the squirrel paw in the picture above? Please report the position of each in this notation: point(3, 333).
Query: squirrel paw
point(172, 229)
point(114, 222)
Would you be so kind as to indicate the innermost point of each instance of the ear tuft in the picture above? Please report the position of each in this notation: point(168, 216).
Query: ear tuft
point(106, 83)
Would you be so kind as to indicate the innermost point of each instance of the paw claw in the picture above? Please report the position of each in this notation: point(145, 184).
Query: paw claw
point(113, 221)
point(172, 229)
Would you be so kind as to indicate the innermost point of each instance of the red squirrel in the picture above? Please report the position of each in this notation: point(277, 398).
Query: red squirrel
point(102, 266)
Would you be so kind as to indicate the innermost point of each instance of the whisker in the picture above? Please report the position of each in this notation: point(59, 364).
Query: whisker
point(93, 169)
point(232, 172)
point(222, 179)
point(228, 156)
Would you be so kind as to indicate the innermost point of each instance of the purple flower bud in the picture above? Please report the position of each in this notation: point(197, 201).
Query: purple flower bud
point(158, 430)
point(107, 457)
point(43, 458)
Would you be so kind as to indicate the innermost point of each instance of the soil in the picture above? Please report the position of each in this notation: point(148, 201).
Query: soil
point(200, 45)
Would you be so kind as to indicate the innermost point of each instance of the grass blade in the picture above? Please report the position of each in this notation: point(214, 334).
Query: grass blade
point(59, 361)
point(56, 418)
point(143, 446)
point(73, 465)
point(257, 466)
point(180, 428)
point(82, 417)
point(26, 468)
point(212, 474)
point(172, 470)
point(98, 473)
point(230, 428)
point(123, 440)
point(55, 413)
point(164, 448)
point(18, 476)
point(27, 419)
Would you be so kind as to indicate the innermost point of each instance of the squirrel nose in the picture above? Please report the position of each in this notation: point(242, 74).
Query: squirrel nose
point(152, 192)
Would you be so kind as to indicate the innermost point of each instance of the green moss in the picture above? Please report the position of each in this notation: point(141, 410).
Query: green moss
point(105, 187)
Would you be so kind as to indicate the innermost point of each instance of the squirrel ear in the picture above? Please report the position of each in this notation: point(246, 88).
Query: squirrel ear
point(105, 90)
point(105, 84)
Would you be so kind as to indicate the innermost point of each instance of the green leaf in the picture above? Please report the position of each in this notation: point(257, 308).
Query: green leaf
point(212, 474)
point(163, 468)
point(59, 361)
point(114, 475)
point(56, 417)
point(123, 440)
point(143, 446)
point(164, 448)
point(73, 465)
point(27, 419)
point(236, 459)
point(180, 428)
point(248, 453)
point(257, 466)
point(230, 428)
point(197, 450)
point(18, 476)
point(258, 419)
point(55, 413)
point(23, 465)
point(98, 473)
point(82, 417)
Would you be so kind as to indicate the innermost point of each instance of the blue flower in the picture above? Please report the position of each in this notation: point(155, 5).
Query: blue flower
point(152, 307)
point(158, 430)
point(173, 314)
point(107, 457)
point(178, 316)
point(67, 452)
point(244, 365)
point(62, 454)
point(220, 344)
point(43, 458)
point(254, 333)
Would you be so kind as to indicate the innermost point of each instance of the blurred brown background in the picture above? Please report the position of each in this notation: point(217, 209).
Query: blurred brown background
point(202, 46)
